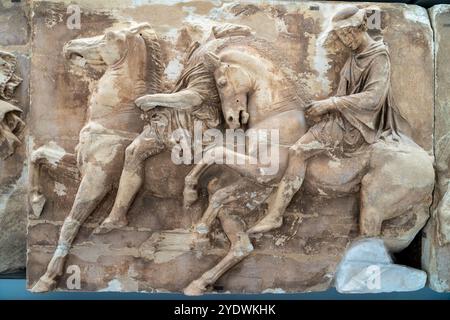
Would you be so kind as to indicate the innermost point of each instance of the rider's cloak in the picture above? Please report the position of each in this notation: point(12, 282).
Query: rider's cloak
point(364, 96)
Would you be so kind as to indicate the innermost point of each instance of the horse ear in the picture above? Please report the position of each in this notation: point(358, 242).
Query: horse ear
point(139, 27)
point(211, 61)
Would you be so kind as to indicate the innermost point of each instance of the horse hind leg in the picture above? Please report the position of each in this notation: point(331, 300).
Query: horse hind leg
point(240, 248)
point(400, 240)
point(93, 188)
point(381, 201)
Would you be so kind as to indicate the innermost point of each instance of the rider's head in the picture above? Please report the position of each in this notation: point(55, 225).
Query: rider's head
point(349, 25)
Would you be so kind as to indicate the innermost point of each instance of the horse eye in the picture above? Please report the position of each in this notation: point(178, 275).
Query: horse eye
point(222, 82)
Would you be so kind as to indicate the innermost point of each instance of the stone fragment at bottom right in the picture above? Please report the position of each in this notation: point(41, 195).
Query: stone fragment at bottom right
point(367, 267)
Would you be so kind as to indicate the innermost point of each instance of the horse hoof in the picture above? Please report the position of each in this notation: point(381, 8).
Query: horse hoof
point(44, 284)
point(109, 225)
point(194, 289)
point(37, 204)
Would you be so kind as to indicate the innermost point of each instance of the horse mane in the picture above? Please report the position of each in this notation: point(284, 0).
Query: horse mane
point(265, 49)
point(155, 67)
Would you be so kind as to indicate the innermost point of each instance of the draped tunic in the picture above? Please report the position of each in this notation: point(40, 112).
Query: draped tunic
point(365, 108)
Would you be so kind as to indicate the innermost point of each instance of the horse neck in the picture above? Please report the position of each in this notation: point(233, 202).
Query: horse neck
point(112, 102)
point(129, 75)
point(270, 92)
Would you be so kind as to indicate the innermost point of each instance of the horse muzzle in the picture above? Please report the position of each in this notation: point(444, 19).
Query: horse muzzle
point(237, 120)
point(78, 51)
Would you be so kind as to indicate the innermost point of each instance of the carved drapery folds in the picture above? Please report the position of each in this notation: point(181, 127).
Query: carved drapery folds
point(10, 122)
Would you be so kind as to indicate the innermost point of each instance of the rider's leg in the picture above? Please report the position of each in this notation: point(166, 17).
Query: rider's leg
point(299, 153)
point(131, 179)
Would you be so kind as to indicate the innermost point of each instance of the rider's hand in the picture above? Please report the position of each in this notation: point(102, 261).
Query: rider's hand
point(319, 108)
point(145, 103)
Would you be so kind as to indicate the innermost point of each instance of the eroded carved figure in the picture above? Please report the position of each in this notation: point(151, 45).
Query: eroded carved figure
point(355, 142)
point(10, 123)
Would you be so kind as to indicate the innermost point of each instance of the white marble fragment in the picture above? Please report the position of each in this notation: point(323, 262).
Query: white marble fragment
point(367, 267)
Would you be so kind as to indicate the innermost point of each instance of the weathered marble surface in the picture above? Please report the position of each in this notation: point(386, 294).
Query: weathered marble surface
point(14, 38)
point(151, 253)
point(436, 241)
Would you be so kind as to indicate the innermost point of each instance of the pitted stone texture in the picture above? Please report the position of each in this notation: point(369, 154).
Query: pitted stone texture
point(13, 185)
point(15, 38)
point(14, 24)
point(436, 240)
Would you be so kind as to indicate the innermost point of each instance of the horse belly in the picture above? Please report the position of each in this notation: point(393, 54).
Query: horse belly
point(163, 178)
point(330, 177)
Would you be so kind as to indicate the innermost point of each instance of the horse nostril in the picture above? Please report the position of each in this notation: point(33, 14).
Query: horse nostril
point(230, 119)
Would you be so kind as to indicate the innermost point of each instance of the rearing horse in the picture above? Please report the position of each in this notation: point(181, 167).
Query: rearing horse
point(133, 60)
point(254, 93)
point(393, 178)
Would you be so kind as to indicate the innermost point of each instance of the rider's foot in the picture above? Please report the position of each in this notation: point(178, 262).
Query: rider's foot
point(268, 223)
point(111, 224)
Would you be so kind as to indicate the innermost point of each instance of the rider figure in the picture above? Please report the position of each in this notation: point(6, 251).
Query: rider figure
point(361, 112)
point(193, 100)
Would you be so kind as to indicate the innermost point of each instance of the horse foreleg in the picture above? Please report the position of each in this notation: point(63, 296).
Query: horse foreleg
point(93, 188)
point(241, 247)
point(216, 202)
point(36, 197)
point(245, 165)
point(190, 192)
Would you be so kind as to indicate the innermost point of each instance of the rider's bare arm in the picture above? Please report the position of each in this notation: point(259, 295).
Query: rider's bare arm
point(184, 99)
